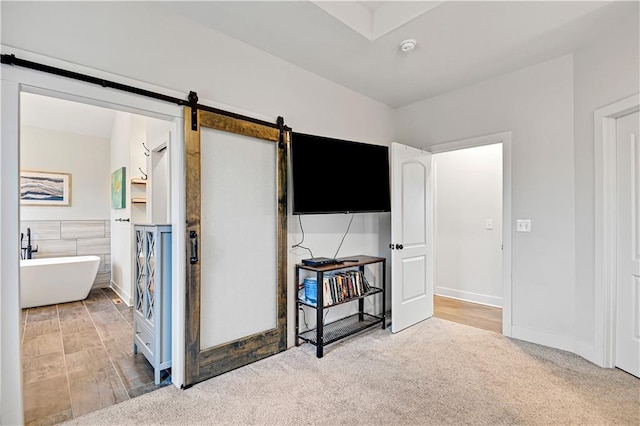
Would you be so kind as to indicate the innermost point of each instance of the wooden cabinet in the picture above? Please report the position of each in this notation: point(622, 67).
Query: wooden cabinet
point(152, 295)
point(323, 334)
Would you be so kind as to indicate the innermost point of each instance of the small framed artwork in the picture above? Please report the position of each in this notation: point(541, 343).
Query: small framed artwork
point(118, 188)
point(45, 188)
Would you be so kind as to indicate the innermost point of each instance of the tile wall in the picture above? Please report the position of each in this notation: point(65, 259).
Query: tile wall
point(58, 238)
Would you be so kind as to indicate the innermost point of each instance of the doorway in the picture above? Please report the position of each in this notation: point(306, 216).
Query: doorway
point(483, 312)
point(468, 236)
point(412, 298)
point(16, 81)
point(76, 350)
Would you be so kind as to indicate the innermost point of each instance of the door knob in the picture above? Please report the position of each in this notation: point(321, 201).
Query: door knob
point(391, 246)
point(399, 246)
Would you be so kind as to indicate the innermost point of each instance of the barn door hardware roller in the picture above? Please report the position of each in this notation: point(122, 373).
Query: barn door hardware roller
point(193, 102)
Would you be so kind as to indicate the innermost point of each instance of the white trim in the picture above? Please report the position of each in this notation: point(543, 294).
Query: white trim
point(505, 139)
point(10, 369)
point(178, 247)
point(583, 349)
point(469, 296)
point(605, 226)
point(126, 298)
point(15, 80)
point(553, 341)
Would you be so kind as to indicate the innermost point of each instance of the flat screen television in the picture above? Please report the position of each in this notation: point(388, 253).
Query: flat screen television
point(338, 176)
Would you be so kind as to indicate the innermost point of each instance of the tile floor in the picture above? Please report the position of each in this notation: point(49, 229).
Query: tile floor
point(78, 357)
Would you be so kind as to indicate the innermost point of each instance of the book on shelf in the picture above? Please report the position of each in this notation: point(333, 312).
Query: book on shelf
point(343, 286)
point(337, 287)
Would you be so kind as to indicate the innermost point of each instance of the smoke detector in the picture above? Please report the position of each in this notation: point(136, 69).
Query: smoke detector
point(408, 45)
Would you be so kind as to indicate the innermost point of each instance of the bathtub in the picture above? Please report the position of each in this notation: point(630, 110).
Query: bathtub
point(56, 280)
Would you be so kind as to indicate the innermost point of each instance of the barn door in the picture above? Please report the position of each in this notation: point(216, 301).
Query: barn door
point(236, 244)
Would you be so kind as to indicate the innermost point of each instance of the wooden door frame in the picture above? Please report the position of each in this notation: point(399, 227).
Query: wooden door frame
point(203, 364)
point(505, 139)
point(606, 213)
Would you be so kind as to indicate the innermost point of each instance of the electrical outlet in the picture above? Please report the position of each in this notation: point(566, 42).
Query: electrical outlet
point(489, 224)
point(523, 225)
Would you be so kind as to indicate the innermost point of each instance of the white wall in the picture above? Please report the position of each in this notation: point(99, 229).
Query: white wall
point(158, 169)
point(121, 234)
point(549, 107)
point(116, 37)
point(86, 158)
point(536, 104)
point(137, 162)
point(183, 55)
point(468, 256)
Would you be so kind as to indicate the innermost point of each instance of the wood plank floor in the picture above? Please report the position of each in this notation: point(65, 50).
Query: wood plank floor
point(78, 357)
point(473, 314)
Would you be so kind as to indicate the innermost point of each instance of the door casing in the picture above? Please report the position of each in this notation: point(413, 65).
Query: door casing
point(505, 139)
point(606, 213)
point(14, 81)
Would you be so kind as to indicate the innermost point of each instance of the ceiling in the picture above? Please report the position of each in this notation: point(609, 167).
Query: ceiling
point(355, 44)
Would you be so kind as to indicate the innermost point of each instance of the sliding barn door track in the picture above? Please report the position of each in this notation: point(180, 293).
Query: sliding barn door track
point(191, 101)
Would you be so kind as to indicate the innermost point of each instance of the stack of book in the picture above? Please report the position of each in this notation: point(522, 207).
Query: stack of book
point(344, 286)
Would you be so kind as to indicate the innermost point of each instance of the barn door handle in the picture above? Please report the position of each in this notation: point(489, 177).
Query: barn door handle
point(193, 235)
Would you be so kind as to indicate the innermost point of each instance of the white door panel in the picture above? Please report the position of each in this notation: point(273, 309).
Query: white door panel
point(413, 278)
point(237, 301)
point(413, 203)
point(411, 236)
point(627, 348)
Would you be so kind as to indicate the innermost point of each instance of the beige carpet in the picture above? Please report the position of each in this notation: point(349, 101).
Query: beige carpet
point(436, 372)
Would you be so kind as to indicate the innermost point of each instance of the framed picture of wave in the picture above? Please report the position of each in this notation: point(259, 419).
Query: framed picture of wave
point(45, 188)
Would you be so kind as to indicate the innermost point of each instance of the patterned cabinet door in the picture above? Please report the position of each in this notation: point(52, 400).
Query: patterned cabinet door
point(141, 270)
point(151, 269)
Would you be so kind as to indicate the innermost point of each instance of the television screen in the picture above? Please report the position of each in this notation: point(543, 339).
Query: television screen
point(337, 176)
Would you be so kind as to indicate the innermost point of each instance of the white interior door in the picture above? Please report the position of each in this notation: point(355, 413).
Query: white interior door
point(627, 352)
point(411, 236)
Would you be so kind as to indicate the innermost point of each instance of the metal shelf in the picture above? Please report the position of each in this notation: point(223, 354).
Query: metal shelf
point(374, 290)
point(344, 327)
point(324, 334)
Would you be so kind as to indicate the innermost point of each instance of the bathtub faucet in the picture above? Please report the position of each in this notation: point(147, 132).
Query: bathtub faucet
point(27, 252)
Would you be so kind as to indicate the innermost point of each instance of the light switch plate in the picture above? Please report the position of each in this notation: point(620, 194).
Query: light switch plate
point(523, 225)
point(489, 224)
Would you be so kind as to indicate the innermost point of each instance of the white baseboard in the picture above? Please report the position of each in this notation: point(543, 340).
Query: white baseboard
point(126, 298)
point(564, 343)
point(586, 351)
point(468, 296)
